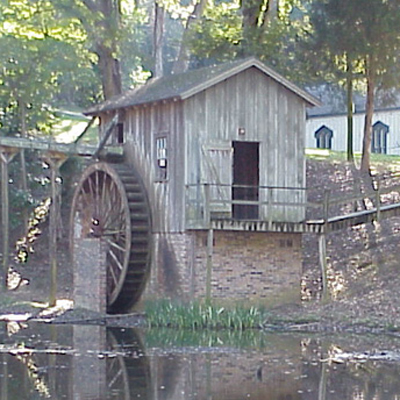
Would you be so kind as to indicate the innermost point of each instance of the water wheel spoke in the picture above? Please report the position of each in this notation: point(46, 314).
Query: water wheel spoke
point(115, 378)
point(116, 245)
point(92, 195)
point(114, 218)
point(116, 259)
point(86, 198)
point(106, 198)
point(113, 275)
point(114, 209)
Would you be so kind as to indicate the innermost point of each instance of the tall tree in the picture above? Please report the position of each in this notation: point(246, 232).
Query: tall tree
point(356, 41)
point(181, 63)
point(265, 29)
point(101, 22)
point(38, 51)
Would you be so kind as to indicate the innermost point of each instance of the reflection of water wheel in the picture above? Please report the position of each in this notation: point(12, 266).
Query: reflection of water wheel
point(128, 376)
point(110, 203)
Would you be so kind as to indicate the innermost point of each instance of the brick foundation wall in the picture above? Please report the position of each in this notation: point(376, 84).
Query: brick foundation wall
point(258, 267)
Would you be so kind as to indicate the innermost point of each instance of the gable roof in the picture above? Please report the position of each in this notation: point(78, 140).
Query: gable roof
point(185, 85)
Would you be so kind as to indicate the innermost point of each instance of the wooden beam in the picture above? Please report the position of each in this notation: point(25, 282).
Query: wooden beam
point(107, 133)
point(6, 156)
point(55, 160)
point(324, 266)
point(210, 243)
point(46, 145)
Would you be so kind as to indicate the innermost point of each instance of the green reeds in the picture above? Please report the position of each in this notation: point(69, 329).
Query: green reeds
point(200, 316)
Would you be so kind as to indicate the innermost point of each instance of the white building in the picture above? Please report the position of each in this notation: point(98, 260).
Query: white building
point(329, 130)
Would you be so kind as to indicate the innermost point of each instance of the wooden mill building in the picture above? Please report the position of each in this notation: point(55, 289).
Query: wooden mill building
point(220, 153)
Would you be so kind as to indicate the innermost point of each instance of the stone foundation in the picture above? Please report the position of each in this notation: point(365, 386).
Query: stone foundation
point(253, 267)
point(90, 274)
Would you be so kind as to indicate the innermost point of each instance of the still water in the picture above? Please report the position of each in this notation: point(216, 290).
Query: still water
point(39, 361)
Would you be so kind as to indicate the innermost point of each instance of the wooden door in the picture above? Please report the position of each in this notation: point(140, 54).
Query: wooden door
point(245, 179)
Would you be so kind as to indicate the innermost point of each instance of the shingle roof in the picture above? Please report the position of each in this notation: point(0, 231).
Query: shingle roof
point(182, 86)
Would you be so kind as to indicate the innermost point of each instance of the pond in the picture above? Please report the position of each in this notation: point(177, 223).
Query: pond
point(94, 362)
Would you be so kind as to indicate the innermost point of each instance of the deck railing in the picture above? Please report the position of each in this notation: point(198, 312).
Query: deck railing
point(331, 206)
point(208, 202)
point(211, 202)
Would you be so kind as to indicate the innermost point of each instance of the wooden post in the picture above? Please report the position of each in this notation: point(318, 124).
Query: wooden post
point(207, 212)
point(324, 266)
point(6, 156)
point(326, 206)
point(378, 201)
point(210, 240)
point(322, 382)
point(55, 160)
point(4, 377)
point(322, 248)
point(269, 206)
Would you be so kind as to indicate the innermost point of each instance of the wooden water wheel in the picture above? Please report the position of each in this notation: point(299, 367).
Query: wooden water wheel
point(110, 203)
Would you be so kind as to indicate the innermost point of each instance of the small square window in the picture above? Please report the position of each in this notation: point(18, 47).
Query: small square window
point(162, 157)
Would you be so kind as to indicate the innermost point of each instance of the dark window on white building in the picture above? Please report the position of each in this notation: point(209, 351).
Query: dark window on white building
point(379, 138)
point(324, 136)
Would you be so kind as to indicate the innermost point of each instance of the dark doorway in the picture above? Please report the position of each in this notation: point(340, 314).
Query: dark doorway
point(245, 179)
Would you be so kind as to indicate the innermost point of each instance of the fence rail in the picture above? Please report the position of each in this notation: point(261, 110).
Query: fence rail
point(208, 202)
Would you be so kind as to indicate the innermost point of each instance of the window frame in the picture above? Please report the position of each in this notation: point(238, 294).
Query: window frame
point(324, 136)
point(379, 138)
point(162, 156)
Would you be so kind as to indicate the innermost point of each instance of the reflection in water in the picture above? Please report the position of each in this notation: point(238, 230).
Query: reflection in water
point(94, 362)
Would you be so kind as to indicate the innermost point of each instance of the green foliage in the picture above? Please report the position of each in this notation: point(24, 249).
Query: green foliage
point(343, 31)
point(200, 316)
point(44, 61)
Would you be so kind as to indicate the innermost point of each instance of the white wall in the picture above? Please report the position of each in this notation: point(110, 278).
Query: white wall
point(338, 124)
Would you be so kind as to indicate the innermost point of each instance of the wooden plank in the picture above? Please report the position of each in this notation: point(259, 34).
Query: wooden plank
point(6, 156)
point(47, 145)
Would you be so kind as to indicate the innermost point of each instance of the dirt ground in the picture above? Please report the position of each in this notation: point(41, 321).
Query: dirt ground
point(363, 262)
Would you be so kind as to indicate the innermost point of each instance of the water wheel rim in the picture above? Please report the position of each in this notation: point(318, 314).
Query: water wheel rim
point(91, 218)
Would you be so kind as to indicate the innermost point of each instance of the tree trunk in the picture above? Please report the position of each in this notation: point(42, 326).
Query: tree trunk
point(104, 37)
point(369, 111)
point(252, 11)
point(270, 13)
point(349, 82)
point(110, 71)
point(182, 62)
point(158, 40)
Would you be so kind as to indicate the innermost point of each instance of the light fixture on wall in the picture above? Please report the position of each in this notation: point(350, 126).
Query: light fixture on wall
point(242, 131)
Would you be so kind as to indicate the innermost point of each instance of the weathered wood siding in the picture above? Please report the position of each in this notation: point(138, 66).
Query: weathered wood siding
point(143, 126)
point(270, 115)
point(200, 132)
point(338, 124)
